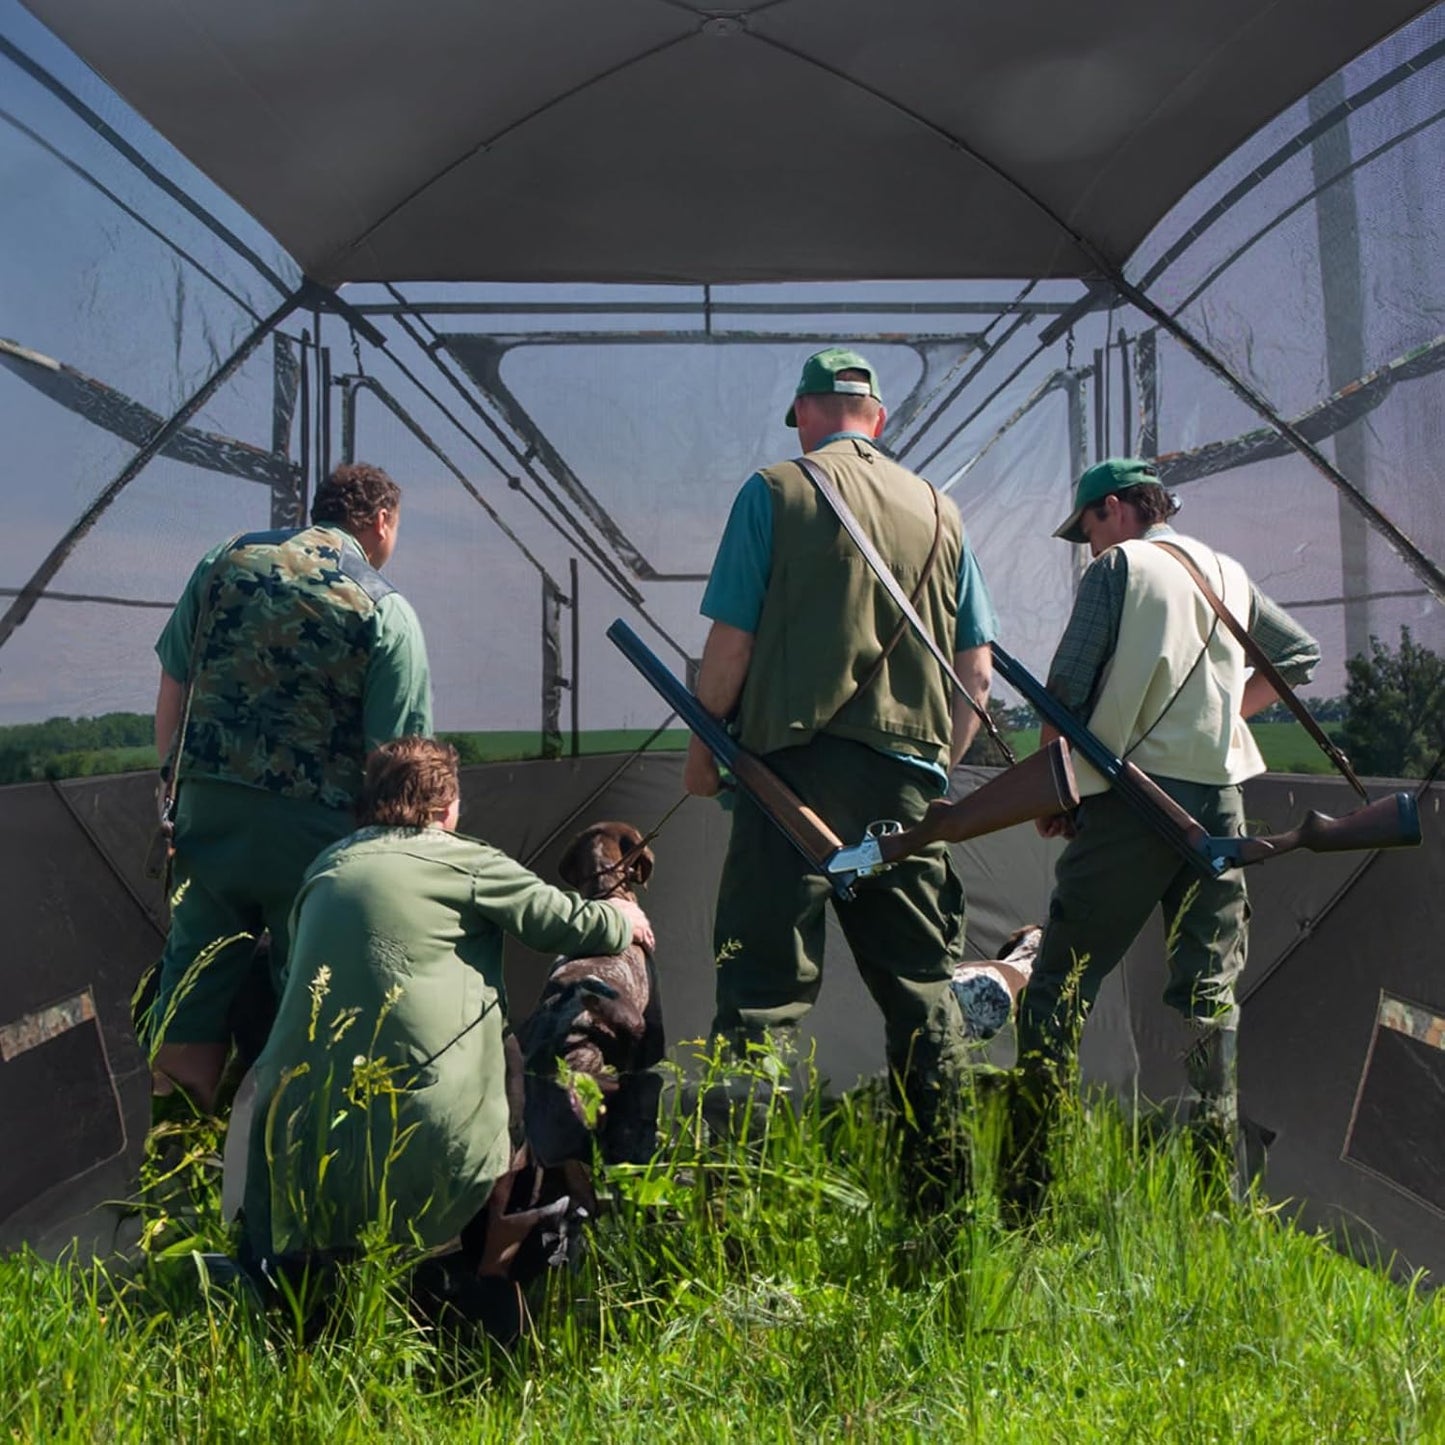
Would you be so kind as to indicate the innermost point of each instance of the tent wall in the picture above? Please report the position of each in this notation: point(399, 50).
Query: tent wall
point(1329, 935)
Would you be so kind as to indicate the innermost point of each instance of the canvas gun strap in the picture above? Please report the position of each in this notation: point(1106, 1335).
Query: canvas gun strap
point(871, 676)
point(880, 569)
point(1265, 667)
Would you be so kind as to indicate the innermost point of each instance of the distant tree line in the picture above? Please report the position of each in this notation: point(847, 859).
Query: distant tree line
point(1391, 721)
point(1391, 716)
point(67, 747)
point(1395, 710)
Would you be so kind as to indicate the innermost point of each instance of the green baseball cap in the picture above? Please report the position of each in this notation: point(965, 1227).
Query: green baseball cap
point(1115, 474)
point(820, 377)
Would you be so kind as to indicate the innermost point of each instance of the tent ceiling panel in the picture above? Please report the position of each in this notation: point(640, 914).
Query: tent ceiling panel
point(649, 140)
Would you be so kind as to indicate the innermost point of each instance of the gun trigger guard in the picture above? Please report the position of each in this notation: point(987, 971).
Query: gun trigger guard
point(862, 860)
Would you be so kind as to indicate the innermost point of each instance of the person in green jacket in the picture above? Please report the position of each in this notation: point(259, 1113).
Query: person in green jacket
point(381, 1094)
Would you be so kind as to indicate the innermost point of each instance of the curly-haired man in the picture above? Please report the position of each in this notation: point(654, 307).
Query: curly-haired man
point(286, 660)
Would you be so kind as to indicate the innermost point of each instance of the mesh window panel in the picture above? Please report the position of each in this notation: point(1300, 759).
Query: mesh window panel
point(1395, 1126)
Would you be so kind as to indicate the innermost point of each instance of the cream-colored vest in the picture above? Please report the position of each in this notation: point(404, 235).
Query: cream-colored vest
point(1170, 697)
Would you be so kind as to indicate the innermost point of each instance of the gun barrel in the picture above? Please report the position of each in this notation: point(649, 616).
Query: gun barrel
point(804, 829)
point(1181, 831)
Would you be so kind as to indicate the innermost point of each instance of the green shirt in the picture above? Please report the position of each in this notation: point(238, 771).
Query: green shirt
point(384, 1075)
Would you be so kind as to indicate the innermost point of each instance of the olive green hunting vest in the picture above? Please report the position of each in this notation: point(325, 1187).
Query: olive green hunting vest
point(826, 618)
point(278, 686)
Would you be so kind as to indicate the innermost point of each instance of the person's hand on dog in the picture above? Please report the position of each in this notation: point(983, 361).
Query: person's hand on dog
point(637, 919)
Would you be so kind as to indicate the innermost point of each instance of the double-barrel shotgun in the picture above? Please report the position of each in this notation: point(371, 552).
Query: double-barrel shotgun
point(1040, 786)
point(1389, 822)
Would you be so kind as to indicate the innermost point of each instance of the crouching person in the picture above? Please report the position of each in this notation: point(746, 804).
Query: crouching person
point(382, 1102)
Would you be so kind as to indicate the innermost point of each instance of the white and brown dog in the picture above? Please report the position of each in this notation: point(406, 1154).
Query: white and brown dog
point(987, 992)
point(600, 1017)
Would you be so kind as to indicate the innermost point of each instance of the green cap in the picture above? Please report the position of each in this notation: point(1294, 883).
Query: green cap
point(1115, 474)
point(820, 377)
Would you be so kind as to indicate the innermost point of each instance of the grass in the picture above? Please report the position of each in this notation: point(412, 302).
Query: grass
point(506, 747)
point(1286, 746)
point(776, 1289)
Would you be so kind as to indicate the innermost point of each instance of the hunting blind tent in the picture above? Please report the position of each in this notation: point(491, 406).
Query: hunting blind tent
point(554, 266)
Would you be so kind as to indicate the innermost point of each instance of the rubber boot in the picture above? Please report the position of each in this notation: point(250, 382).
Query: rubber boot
point(1212, 1069)
point(1026, 1170)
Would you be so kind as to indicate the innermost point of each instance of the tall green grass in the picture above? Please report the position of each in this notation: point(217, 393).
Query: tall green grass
point(775, 1287)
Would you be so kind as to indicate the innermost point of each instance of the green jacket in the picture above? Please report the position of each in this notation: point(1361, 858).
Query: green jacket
point(381, 1091)
point(826, 618)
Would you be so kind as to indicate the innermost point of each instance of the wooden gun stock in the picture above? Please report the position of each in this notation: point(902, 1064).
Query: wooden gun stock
point(1038, 787)
point(808, 833)
point(802, 827)
point(1392, 822)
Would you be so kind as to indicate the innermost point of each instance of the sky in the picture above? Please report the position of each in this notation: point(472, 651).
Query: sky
point(129, 288)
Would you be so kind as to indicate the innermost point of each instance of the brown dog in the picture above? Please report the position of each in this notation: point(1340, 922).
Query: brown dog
point(600, 1017)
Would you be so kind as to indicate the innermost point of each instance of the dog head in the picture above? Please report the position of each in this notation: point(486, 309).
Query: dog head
point(606, 859)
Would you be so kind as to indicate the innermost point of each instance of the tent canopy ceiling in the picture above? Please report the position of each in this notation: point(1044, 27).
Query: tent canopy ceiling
point(670, 141)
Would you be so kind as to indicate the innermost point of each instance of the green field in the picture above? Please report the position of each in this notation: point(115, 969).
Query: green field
point(774, 1289)
point(1287, 748)
point(504, 747)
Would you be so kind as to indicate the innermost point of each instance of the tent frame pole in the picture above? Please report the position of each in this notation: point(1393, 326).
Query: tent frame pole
point(34, 588)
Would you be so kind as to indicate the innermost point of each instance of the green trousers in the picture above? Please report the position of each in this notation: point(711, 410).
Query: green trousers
point(905, 928)
point(1111, 877)
point(240, 856)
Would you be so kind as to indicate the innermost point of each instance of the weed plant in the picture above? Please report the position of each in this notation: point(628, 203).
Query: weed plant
point(766, 1281)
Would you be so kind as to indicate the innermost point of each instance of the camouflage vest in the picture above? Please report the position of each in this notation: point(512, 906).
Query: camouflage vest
point(826, 618)
point(279, 678)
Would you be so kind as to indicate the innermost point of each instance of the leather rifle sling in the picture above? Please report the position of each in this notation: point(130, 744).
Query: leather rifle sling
point(850, 524)
point(1264, 666)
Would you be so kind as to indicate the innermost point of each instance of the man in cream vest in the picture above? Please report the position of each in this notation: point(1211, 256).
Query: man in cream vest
point(803, 656)
point(1147, 663)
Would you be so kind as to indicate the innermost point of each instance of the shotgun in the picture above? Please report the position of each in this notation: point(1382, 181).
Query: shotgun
point(1043, 785)
point(1038, 787)
point(802, 827)
point(1391, 822)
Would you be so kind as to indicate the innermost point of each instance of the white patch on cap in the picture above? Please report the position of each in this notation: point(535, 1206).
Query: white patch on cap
point(853, 388)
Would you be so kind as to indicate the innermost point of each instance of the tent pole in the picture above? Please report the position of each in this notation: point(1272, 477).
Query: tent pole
point(576, 651)
point(288, 503)
point(1146, 373)
point(1337, 225)
point(1078, 417)
point(1429, 572)
point(33, 589)
point(552, 680)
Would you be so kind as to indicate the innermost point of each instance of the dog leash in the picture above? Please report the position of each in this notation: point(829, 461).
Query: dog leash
point(625, 861)
point(530, 860)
